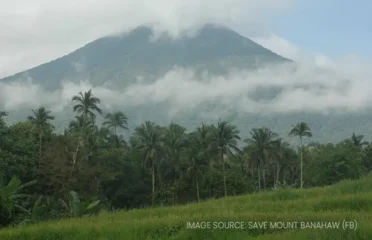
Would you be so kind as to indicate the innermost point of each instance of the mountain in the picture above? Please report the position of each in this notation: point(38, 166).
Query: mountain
point(120, 60)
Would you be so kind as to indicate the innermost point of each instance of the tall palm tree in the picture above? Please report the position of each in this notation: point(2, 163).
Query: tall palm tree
point(279, 154)
point(262, 141)
point(149, 139)
point(301, 130)
point(175, 142)
point(40, 119)
point(2, 114)
point(226, 140)
point(77, 124)
point(197, 168)
point(357, 140)
point(2, 126)
point(86, 106)
point(116, 120)
point(198, 152)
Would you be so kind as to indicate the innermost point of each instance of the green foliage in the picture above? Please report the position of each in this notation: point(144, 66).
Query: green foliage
point(76, 208)
point(10, 199)
point(89, 167)
point(37, 212)
point(310, 205)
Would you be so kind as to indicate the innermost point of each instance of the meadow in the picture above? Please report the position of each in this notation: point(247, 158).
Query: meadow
point(347, 201)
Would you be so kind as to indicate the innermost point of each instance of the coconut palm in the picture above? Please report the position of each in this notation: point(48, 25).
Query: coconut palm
point(149, 139)
point(226, 138)
point(40, 119)
point(175, 141)
point(87, 105)
point(198, 152)
point(280, 153)
point(357, 140)
point(77, 124)
point(116, 120)
point(2, 114)
point(2, 126)
point(197, 168)
point(301, 130)
point(262, 142)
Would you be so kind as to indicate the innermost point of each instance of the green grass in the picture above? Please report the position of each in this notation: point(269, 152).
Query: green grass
point(345, 201)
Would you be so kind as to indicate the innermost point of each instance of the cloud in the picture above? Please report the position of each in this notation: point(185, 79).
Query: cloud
point(335, 86)
point(281, 46)
point(36, 31)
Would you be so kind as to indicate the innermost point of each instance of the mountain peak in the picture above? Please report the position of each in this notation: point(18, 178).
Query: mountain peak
point(121, 59)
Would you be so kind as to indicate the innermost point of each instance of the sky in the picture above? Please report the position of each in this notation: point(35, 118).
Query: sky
point(327, 39)
point(36, 31)
point(333, 27)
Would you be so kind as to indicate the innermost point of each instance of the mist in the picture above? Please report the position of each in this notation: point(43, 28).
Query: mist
point(342, 86)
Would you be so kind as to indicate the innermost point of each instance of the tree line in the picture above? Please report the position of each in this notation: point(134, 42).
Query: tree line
point(47, 175)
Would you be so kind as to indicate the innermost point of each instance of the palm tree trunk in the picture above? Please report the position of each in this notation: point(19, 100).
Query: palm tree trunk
point(40, 143)
point(74, 157)
point(259, 176)
point(116, 138)
point(301, 161)
point(264, 176)
point(197, 189)
point(223, 172)
point(153, 183)
point(277, 174)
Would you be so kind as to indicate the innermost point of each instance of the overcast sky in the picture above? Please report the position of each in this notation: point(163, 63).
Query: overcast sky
point(35, 31)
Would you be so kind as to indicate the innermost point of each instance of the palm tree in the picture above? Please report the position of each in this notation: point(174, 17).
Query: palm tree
point(302, 130)
point(40, 120)
point(149, 139)
point(175, 141)
point(2, 114)
point(262, 141)
point(116, 120)
point(2, 126)
point(198, 151)
point(226, 141)
point(280, 153)
point(77, 124)
point(86, 105)
point(197, 169)
point(357, 140)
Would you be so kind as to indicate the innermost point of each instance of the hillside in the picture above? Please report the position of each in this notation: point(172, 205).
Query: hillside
point(349, 201)
point(119, 60)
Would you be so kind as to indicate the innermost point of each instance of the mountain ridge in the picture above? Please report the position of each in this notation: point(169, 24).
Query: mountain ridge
point(134, 53)
point(215, 49)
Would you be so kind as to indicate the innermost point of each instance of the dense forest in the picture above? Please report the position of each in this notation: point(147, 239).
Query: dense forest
point(46, 175)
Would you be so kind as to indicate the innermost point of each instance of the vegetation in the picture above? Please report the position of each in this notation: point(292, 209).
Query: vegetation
point(89, 168)
point(348, 200)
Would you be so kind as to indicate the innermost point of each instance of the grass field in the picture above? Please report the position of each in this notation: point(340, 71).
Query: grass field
point(345, 202)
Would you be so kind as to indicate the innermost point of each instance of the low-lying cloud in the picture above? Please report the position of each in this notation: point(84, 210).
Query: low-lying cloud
point(338, 86)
